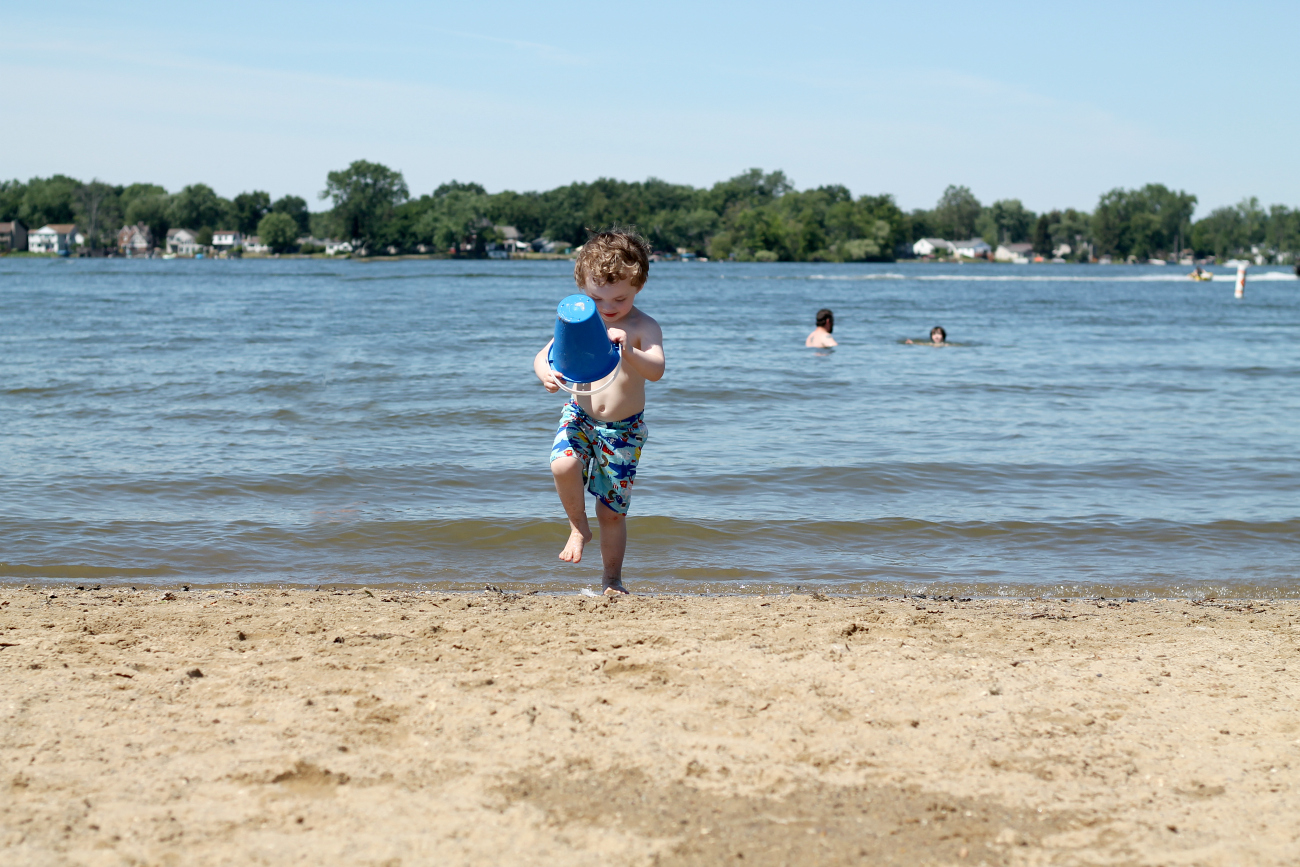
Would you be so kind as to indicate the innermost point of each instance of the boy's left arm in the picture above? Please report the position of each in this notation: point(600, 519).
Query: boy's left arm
point(648, 358)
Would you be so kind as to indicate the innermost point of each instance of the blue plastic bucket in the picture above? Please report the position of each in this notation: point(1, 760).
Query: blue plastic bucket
point(582, 351)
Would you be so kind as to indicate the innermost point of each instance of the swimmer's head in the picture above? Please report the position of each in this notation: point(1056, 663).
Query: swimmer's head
point(826, 319)
point(938, 335)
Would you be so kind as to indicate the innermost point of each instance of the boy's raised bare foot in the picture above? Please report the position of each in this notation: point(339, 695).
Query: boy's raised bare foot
point(572, 552)
point(615, 588)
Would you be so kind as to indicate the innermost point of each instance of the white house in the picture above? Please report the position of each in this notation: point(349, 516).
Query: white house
point(226, 239)
point(932, 247)
point(971, 249)
point(54, 238)
point(253, 244)
point(338, 248)
point(1018, 253)
point(183, 242)
point(512, 241)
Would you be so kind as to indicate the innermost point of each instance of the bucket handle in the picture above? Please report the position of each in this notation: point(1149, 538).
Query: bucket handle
point(577, 392)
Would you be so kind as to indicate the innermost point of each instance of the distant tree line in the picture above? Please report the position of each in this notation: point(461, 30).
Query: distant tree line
point(754, 216)
point(101, 209)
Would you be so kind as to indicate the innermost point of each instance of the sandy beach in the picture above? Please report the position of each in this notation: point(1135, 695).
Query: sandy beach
point(375, 727)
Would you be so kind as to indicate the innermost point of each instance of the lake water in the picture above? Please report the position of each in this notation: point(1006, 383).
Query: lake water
point(1111, 430)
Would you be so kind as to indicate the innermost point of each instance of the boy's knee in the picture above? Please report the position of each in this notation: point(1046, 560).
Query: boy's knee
point(565, 466)
point(606, 515)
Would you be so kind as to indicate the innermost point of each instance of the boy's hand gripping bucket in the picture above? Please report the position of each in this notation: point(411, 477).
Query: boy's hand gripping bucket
point(582, 352)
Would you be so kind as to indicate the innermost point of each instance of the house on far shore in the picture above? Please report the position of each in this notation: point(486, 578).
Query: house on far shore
point(13, 236)
point(133, 241)
point(225, 240)
point(1018, 253)
point(183, 242)
point(55, 238)
point(972, 249)
point(512, 241)
point(932, 247)
point(338, 248)
point(254, 245)
point(546, 245)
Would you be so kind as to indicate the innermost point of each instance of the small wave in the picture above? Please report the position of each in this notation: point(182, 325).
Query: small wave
point(449, 275)
point(885, 276)
point(1219, 280)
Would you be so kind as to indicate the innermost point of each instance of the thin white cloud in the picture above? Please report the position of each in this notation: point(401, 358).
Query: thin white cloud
point(550, 52)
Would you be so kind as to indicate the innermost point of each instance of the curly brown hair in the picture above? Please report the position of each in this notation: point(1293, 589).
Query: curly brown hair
point(616, 254)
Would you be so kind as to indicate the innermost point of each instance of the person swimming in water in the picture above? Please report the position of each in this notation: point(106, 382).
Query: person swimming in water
point(821, 336)
point(938, 337)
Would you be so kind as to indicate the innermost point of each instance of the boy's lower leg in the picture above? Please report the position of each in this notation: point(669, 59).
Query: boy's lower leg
point(568, 484)
point(613, 545)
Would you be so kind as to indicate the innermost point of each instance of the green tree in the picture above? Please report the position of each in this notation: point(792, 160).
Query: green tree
point(295, 207)
point(1254, 221)
point(869, 249)
point(325, 224)
point(1043, 235)
point(956, 213)
point(920, 224)
point(364, 196)
point(1231, 231)
point(1010, 221)
point(149, 204)
point(749, 189)
point(1071, 227)
point(454, 186)
point(456, 215)
point(198, 206)
point(97, 211)
point(278, 231)
point(132, 192)
point(524, 211)
point(1283, 233)
point(1142, 223)
point(49, 200)
point(11, 199)
point(249, 209)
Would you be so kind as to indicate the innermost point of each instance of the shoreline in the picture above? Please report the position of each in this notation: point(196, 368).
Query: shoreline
point(1220, 593)
point(295, 726)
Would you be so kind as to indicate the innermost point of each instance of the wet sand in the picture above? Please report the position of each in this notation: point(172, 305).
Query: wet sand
point(400, 728)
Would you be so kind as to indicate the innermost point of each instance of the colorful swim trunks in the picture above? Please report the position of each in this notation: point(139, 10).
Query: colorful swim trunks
point(608, 451)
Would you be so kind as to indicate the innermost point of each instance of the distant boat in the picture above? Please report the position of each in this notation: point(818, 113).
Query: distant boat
point(1156, 262)
point(169, 255)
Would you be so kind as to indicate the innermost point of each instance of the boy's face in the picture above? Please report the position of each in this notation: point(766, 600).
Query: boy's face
point(613, 300)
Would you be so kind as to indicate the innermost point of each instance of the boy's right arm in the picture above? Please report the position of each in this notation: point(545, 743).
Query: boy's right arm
point(550, 379)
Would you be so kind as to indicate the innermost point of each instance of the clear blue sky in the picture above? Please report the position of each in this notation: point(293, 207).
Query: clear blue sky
point(1035, 101)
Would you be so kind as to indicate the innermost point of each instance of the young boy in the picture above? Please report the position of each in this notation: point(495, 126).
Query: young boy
point(600, 436)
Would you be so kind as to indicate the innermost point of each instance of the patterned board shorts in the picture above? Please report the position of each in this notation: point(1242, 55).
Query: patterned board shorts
point(608, 451)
